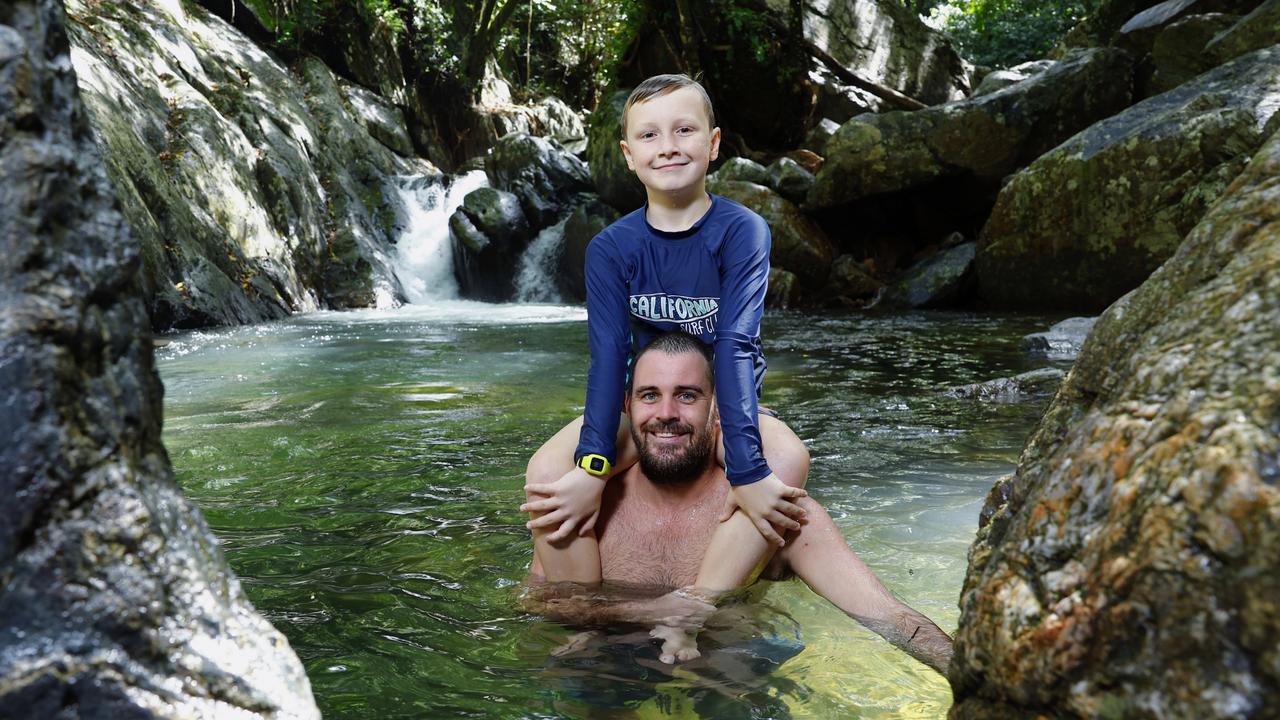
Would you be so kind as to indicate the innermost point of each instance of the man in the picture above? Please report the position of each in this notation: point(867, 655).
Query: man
point(657, 521)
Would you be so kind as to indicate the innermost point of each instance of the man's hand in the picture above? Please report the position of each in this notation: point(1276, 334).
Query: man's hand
point(768, 503)
point(572, 502)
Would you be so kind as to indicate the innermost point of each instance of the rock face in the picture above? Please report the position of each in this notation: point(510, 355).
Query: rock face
point(1134, 570)
point(887, 44)
point(540, 173)
point(116, 601)
point(987, 137)
point(1089, 221)
point(253, 190)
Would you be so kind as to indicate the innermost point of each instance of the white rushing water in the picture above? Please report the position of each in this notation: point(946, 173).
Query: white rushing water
point(535, 280)
point(424, 253)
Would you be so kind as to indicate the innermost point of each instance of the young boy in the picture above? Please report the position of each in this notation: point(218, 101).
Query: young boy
point(687, 261)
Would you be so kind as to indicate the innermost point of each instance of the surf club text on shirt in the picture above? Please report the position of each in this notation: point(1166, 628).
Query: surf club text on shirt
point(696, 316)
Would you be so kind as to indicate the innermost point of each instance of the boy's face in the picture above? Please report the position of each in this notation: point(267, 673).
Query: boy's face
point(670, 143)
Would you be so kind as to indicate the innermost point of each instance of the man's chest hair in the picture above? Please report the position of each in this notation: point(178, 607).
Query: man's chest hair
point(642, 546)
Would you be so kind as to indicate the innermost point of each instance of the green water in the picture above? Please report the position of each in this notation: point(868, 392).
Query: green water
point(363, 470)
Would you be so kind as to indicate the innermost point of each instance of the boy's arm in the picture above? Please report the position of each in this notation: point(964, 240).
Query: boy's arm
point(609, 340)
point(744, 277)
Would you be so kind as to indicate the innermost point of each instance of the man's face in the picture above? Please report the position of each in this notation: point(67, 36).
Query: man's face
point(672, 416)
point(669, 142)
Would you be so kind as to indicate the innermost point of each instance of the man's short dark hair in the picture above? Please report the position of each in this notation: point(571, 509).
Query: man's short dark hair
point(676, 342)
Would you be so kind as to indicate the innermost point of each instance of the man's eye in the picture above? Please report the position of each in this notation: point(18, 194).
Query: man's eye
point(648, 397)
point(688, 397)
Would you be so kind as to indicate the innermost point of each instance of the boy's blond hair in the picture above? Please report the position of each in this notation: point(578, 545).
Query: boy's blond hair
point(661, 85)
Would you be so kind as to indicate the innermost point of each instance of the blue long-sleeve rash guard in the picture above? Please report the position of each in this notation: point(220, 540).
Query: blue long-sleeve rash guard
point(709, 281)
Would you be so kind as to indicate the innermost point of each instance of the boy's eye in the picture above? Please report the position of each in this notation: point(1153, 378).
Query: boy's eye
point(685, 130)
point(648, 135)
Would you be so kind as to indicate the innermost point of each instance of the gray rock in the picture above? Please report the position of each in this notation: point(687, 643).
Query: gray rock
point(944, 280)
point(1091, 220)
point(1063, 341)
point(741, 169)
point(849, 282)
point(543, 175)
point(382, 120)
point(1178, 54)
point(784, 289)
point(1012, 389)
point(887, 44)
point(790, 179)
point(1132, 567)
point(489, 232)
point(559, 122)
point(252, 189)
point(116, 599)
point(988, 136)
point(587, 219)
point(817, 138)
point(996, 80)
point(614, 182)
point(799, 245)
point(1257, 30)
point(498, 216)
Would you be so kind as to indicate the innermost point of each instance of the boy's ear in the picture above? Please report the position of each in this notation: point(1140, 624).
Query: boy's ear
point(715, 143)
point(626, 153)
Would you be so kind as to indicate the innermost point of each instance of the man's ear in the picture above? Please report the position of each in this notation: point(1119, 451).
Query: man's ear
point(715, 143)
point(626, 153)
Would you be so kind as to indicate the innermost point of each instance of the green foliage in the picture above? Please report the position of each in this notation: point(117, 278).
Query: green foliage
point(1002, 33)
point(569, 48)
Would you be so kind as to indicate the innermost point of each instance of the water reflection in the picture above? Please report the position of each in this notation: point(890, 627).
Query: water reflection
point(363, 470)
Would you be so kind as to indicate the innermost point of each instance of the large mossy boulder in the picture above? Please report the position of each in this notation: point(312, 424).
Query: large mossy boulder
point(1091, 220)
point(799, 244)
point(614, 181)
point(985, 137)
point(1133, 569)
point(115, 600)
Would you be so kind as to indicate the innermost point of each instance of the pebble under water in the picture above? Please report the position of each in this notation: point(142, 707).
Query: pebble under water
point(363, 471)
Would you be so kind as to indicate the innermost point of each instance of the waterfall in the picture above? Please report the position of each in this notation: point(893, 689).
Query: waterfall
point(424, 253)
point(535, 281)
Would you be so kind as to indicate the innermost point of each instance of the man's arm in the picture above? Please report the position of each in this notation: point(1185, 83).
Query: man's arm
point(822, 558)
point(575, 604)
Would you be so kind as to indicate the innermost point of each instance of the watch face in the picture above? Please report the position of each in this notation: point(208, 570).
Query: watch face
point(596, 464)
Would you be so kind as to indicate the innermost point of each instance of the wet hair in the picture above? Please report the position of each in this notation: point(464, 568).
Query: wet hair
point(676, 342)
point(659, 85)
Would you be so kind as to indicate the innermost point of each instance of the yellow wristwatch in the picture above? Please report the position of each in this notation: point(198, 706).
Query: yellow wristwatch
point(597, 465)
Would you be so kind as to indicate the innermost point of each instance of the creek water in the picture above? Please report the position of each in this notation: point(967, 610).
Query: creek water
point(363, 471)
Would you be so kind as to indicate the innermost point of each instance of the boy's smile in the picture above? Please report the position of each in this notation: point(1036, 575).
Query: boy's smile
point(670, 143)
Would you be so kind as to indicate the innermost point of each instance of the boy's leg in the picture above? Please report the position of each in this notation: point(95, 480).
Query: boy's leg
point(738, 551)
point(575, 558)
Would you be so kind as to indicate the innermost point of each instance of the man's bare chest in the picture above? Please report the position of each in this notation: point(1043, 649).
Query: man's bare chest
point(647, 547)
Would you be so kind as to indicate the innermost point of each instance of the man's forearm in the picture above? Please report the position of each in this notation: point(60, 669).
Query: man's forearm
point(576, 605)
point(915, 635)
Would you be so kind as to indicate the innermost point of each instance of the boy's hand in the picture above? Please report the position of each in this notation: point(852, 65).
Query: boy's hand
point(573, 501)
point(767, 502)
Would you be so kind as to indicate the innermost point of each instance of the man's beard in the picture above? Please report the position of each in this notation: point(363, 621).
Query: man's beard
point(672, 466)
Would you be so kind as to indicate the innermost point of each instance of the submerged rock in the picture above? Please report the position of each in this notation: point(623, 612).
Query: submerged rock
point(987, 137)
point(1035, 382)
point(115, 598)
point(1063, 341)
point(1089, 221)
point(1133, 569)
